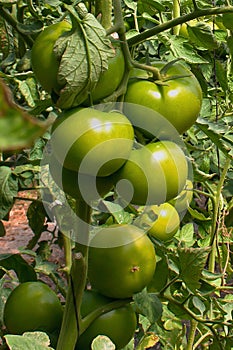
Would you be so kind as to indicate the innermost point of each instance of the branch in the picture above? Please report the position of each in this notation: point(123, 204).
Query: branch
point(147, 34)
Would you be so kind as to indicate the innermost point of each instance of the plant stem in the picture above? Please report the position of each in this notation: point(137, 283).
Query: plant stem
point(11, 20)
point(176, 14)
point(137, 39)
point(192, 333)
point(216, 210)
point(70, 329)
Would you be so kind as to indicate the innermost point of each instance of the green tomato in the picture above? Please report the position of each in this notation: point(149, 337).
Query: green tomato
point(109, 79)
point(178, 100)
point(153, 174)
point(32, 306)
point(91, 141)
point(118, 324)
point(184, 198)
point(44, 62)
point(160, 221)
point(121, 261)
point(78, 185)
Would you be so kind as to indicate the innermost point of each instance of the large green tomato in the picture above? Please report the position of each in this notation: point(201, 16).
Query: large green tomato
point(44, 62)
point(111, 78)
point(79, 185)
point(91, 141)
point(32, 306)
point(118, 324)
point(178, 100)
point(121, 261)
point(160, 221)
point(153, 174)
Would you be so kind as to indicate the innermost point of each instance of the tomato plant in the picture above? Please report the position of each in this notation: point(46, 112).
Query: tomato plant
point(118, 324)
point(179, 87)
point(153, 174)
point(175, 92)
point(45, 64)
point(86, 140)
point(130, 258)
point(111, 78)
point(76, 184)
point(32, 306)
point(160, 221)
point(184, 198)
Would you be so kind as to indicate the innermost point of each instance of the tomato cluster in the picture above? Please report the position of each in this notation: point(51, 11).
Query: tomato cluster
point(97, 149)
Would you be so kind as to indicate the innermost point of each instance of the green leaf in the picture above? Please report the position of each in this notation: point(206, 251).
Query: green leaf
point(197, 215)
point(215, 135)
point(121, 216)
point(28, 341)
point(36, 215)
point(180, 48)
point(15, 262)
point(148, 341)
point(186, 235)
point(227, 20)
point(8, 190)
point(102, 343)
point(199, 305)
point(131, 4)
point(17, 128)
point(84, 56)
point(149, 305)
point(192, 262)
point(201, 35)
point(150, 6)
point(221, 75)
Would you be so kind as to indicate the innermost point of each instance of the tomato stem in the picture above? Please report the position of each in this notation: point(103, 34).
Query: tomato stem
point(176, 14)
point(104, 8)
point(216, 213)
point(71, 323)
point(147, 34)
point(192, 333)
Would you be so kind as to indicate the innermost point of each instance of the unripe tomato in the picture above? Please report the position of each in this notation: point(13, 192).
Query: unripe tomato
point(160, 221)
point(32, 306)
point(179, 100)
point(111, 78)
point(91, 141)
point(79, 185)
point(118, 324)
point(184, 198)
point(121, 261)
point(44, 62)
point(153, 174)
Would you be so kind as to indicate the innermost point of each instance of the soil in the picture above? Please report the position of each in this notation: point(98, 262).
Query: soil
point(18, 232)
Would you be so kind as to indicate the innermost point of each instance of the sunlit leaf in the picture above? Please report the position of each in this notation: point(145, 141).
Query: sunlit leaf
point(17, 128)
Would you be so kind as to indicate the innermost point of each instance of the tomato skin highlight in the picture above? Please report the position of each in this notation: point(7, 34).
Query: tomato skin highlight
point(121, 261)
point(32, 306)
point(44, 62)
point(153, 174)
point(178, 100)
point(118, 324)
point(87, 140)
